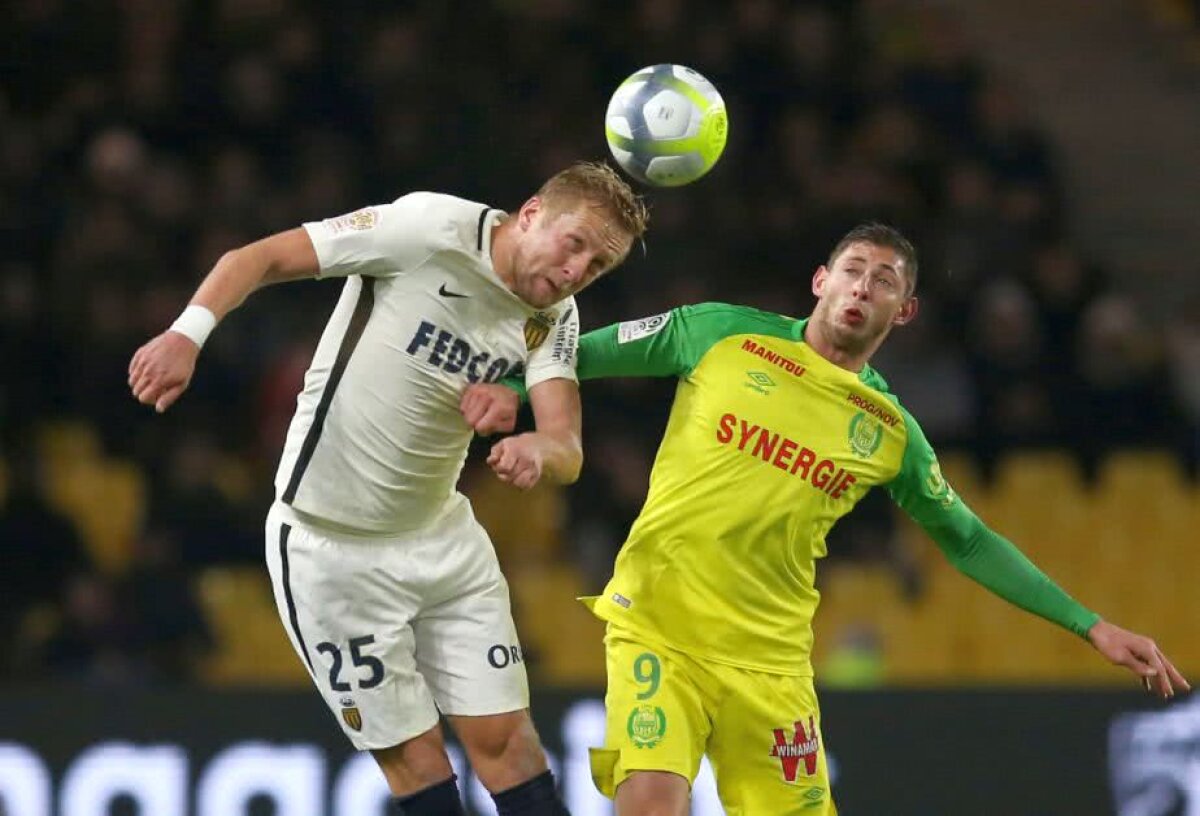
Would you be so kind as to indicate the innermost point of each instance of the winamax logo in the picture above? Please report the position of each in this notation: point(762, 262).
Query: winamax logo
point(804, 747)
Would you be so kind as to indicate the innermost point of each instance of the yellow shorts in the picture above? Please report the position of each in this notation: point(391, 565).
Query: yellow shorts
point(666, 709)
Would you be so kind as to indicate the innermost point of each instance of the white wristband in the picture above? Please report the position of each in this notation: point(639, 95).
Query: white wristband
point(196, 323)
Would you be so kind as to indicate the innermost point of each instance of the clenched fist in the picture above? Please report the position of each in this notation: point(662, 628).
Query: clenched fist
point(518, 460)
point(161, 370)
point(489, 408)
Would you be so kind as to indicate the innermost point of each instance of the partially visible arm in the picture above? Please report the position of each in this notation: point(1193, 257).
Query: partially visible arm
point(285, 256)
point(975, 550)
point(654, 346)
point(161, 370)
point(993, 561)
point(558, 417)
point(607, 352)
point(990, 559)
point(375, 241)
point(663, 345)
point(555, 449)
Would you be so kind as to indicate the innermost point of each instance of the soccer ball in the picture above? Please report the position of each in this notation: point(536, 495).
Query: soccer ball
point(666, 125)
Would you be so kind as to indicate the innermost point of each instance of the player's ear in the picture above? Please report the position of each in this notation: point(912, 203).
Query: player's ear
point(818, 281)
point(528, 212)
point(907, 313)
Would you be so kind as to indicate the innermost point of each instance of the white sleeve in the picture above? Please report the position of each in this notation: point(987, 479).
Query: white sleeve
point(556, 356)
point(378, 241)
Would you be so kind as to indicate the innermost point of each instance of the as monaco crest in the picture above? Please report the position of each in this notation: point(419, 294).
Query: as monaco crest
point(537, 329)
point(351, 716)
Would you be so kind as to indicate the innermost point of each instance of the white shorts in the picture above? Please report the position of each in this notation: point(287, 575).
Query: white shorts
point(396, 629)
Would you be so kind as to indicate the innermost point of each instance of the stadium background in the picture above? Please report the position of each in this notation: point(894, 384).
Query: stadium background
point(1055, 365)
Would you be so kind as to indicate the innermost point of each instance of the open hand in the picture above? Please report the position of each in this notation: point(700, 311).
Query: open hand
point(1140, 655)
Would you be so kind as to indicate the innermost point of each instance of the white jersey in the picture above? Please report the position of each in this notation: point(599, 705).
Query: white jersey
point(377, 442)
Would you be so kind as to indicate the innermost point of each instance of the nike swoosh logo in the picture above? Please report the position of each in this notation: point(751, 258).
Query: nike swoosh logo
point(444, 292)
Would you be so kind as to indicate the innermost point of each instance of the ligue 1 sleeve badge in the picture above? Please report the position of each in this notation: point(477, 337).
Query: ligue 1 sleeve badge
point(356, 221)
point(363, 219)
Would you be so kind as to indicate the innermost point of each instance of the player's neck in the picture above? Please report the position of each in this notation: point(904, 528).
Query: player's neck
point(816, 334)
point(502, 248)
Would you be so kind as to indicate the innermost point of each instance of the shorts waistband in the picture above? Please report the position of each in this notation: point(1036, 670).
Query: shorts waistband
point(298, 518)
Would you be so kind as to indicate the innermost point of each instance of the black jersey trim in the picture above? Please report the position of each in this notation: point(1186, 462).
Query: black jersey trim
point(479, 237)
point(354, 330)
point(286, 578)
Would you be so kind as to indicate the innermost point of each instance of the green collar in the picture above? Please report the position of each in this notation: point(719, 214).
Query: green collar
point(868, 375)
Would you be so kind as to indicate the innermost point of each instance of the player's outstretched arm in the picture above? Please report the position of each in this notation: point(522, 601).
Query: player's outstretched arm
point(555, 449)
point(1140, 655)
point(993, 561)
point(161, 370)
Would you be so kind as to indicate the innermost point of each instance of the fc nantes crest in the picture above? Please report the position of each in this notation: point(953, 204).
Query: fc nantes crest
point(351, 716)
point(537, 329)
point(646, 726)
point(866, 433)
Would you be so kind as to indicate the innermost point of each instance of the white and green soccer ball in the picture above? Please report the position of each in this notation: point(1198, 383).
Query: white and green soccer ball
point(666, 125)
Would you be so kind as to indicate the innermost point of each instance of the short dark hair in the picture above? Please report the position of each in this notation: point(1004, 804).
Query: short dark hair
point(882, 235)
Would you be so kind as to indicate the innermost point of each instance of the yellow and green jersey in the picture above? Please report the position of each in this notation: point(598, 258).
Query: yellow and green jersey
point(768, 444)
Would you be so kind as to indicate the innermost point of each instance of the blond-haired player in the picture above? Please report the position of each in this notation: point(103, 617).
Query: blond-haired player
point(389, 589)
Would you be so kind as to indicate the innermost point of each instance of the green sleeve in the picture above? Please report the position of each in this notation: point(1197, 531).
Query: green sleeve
point(975, 550)
point(665, 345)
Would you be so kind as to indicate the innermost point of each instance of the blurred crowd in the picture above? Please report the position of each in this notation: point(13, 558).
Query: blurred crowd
point(1179, 21)
point(140, 139)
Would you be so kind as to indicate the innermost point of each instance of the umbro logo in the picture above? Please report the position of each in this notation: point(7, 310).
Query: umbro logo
point(760, 382)
point(444, 292)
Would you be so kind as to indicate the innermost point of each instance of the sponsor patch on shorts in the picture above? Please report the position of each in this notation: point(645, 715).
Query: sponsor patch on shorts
point(803, 747)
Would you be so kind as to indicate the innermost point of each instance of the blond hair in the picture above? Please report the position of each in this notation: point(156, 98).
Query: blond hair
point(597, 184)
